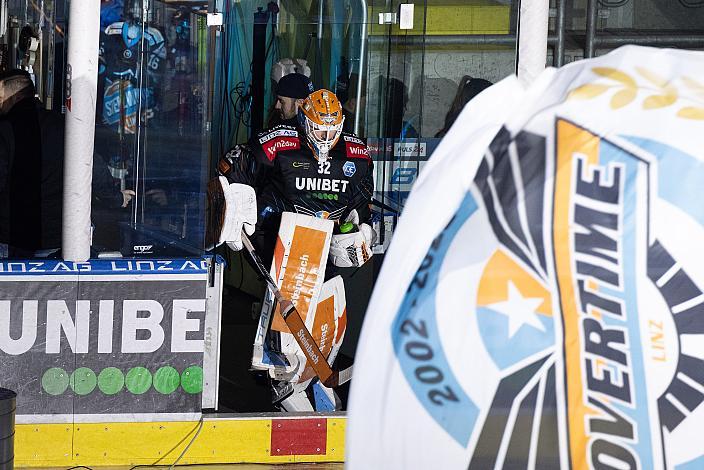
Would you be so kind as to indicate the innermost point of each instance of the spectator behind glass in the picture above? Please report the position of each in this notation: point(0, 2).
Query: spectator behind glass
point(349, 109)
point(468, 89)
point(20, 164)
point(391, 96)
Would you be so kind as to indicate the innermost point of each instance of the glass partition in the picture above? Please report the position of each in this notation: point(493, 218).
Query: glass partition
point(32, 128)
point(152, 129)
point(420, 78)
point(264, 40)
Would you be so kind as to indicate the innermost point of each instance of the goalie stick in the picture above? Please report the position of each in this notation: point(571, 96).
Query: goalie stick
point(329, 377)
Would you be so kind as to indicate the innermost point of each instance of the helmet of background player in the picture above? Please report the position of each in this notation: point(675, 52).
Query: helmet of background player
point(321, 118)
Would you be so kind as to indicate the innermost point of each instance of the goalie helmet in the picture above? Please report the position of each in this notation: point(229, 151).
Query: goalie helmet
point(321, 117)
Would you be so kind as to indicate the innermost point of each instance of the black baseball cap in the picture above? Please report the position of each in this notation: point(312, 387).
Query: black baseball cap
point(294, 85)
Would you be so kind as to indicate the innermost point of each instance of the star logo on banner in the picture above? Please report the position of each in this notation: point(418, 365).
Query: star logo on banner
point(519, 310)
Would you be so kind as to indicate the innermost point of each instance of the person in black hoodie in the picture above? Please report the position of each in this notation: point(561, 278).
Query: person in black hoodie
point(20, 164)
point(468, 89)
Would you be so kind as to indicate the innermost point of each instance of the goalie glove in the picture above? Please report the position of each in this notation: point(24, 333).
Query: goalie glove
point(233, 208)
point(352, 249)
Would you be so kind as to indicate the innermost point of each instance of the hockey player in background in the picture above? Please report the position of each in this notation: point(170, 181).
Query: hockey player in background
point(291, 91)
point(312, 168)
point(122, 60)
point(132, 54)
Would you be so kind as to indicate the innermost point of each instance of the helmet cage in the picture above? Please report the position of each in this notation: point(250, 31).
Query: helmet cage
point(321, 137)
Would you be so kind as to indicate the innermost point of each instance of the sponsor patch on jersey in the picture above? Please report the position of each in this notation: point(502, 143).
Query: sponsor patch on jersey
point(354, 149)
point(279, 144)
point(321, 184)
point(353, 139)
point(277, 133)
point(349, 169)
point(304, 165)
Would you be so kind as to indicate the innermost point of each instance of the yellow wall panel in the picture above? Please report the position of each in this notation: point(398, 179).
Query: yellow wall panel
point(453, 18)
point(46, 444)
point(112, 444)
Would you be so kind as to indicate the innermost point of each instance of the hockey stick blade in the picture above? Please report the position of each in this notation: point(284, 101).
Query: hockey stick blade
point(339, 377)
point(295, 323)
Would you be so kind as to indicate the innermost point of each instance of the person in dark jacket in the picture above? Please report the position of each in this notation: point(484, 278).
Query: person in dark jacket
point(468, 89)
point(31, 171)
point(20, 163)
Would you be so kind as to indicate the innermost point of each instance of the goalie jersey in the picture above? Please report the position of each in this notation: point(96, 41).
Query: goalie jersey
point(288, 178)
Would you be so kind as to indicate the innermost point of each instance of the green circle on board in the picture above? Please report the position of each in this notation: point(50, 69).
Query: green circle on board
point(166, 380)
point(111, 380)
point(192, 380)
point(138, 380)
point(55, 381)
point(83, 381)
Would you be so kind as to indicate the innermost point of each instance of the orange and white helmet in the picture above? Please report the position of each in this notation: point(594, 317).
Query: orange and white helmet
point(321, 117)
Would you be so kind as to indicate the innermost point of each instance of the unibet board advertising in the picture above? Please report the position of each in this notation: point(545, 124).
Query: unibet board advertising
point(541, 303)
point(103, 337)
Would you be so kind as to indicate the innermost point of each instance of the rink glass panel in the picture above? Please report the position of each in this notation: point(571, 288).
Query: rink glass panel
point(413, 79)
point(152, 129)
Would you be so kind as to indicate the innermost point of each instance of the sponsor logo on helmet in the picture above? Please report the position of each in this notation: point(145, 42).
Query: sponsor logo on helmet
point(329, 118)
point(224, 166)
point(349, 169)
point(322, 214)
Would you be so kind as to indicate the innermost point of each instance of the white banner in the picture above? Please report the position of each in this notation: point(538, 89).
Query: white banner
point(541, 303)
